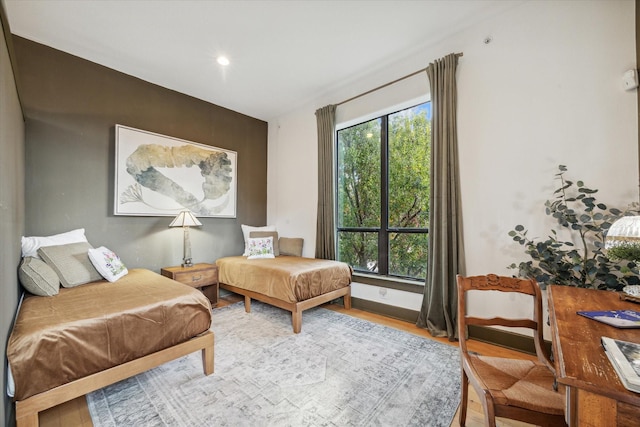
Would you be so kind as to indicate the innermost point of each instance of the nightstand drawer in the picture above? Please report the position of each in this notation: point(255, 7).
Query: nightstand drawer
point(197, 279)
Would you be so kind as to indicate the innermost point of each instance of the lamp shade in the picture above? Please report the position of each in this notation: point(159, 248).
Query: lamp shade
point(185, 219)
point(625, 229)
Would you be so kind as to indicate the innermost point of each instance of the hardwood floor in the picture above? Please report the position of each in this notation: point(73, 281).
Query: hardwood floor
point(76, 413)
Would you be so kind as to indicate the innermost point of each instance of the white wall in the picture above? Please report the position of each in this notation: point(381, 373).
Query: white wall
point(546, 91)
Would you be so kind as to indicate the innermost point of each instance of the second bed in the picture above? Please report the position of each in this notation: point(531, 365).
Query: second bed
point(292, 283)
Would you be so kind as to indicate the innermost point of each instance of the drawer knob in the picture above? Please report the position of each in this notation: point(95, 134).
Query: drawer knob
point(196, 278)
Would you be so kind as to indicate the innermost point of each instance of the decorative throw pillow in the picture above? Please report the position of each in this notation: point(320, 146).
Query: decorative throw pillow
point(273, 234)
point(291, 246)
point(30, 245)
point(261, 247)
point(38, 278)
point(247, 229)
point(107, 263)
point(71, 262)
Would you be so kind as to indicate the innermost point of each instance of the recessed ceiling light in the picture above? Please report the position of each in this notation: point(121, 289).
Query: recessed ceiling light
point(223, 60)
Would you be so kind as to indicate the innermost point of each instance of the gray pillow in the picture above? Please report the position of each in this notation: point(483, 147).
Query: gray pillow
point(291, 246)
point(274, 234)
point(38, 278)
point(71, 262)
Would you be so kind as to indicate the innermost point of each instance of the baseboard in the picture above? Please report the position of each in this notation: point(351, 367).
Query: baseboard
point(385, 309)
point(492, 336)
point(506, 339)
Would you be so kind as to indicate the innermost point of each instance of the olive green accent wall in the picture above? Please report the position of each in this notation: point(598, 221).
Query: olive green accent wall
point(11, 201)
point(72, 106)
point(637, 22)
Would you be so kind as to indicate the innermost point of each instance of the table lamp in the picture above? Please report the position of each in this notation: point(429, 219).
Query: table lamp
point(186, 219)
point(624, 230)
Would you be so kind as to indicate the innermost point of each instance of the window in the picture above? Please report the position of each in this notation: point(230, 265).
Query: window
point(383, 172)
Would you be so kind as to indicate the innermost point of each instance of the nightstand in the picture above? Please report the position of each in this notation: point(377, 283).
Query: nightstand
point(203, 276)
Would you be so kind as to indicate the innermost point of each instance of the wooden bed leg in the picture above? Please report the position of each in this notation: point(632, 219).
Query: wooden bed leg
point(207, 357)
point(347, 301)
point(26, 420)
point(296, 320)
point(247, 304)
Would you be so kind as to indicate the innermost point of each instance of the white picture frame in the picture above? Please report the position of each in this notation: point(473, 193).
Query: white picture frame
point(159, 175)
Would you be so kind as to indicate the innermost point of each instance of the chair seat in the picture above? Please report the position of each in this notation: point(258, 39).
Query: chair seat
point(521, 383)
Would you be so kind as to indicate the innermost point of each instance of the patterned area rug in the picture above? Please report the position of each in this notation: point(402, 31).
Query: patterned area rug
point(339, 371)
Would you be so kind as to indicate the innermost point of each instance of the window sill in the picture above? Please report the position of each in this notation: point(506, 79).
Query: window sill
point(389, 282)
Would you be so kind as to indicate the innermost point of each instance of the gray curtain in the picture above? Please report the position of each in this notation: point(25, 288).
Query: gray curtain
point(446, 256)
point(325, 237)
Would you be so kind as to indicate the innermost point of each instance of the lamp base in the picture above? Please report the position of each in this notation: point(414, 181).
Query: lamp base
point(187, 262)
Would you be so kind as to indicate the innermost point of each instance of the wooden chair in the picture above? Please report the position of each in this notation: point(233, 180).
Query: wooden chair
point(510, 388)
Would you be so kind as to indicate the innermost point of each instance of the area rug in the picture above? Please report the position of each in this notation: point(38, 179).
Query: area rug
point(339, 371)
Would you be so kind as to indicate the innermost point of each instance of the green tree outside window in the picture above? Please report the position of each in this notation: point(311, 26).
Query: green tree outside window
point(383, 169)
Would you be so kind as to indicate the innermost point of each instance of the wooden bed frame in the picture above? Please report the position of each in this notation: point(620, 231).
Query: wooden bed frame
point(296, 308)
point(27, 409)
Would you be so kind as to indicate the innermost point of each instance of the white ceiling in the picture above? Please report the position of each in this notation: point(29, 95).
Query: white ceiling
point(283, 53)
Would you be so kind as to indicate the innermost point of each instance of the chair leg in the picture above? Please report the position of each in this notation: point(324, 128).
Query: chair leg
point(464, 398)
point(489, 412)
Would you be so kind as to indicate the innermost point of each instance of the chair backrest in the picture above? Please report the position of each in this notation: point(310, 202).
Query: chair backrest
point(492, 282)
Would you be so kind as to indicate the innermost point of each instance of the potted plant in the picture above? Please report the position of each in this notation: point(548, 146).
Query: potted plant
point(583, 260)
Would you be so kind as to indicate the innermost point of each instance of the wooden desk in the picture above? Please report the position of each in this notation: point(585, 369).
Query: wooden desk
point(595, 395)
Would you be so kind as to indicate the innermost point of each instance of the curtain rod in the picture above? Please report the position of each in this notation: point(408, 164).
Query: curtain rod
point(387, 84)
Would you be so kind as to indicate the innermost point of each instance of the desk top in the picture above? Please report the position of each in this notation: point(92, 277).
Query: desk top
point(580, 359)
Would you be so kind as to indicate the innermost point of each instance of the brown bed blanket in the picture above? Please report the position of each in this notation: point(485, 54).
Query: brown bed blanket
point(287, 278)
point(99, 325)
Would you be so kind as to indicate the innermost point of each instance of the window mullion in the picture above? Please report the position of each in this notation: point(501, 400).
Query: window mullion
point(383, 235)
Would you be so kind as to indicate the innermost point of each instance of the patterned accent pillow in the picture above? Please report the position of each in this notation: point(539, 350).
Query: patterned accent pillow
point(260, 247)
point(246, 231)
point(107, 263)
point(274, 234)
point(38, 278)
point(71, 263)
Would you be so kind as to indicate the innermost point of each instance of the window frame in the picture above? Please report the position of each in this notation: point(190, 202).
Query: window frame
point(383, 230)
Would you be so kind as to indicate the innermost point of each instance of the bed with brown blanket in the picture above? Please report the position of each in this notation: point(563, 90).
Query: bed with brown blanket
point(90, 336)
point(292, 283)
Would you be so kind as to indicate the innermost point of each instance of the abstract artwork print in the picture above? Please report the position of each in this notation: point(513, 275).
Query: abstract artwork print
point(158, 175)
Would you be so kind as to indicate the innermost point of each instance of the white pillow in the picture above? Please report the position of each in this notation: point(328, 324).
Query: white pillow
point(11, 385)
point(30, 245)
point(247, 229)
point(261, 247)
point(107, 263)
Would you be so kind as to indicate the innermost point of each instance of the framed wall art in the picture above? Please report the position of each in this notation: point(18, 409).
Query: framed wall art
point(158, 175)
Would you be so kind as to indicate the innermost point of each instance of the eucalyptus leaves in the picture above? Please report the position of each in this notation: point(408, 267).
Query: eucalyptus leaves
point(583, 260)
